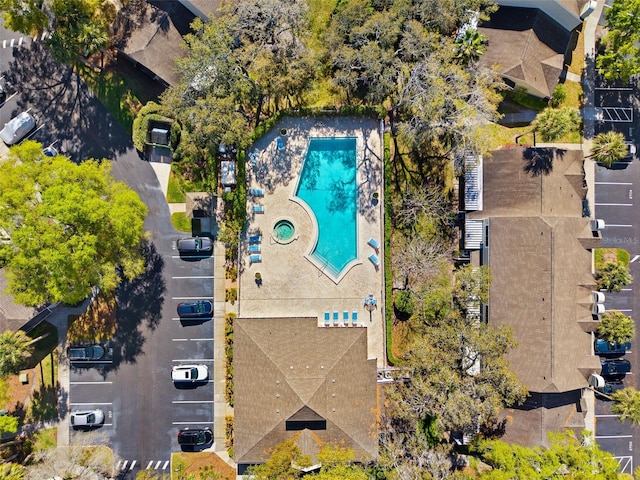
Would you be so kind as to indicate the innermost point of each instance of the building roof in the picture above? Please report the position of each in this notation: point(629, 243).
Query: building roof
point(12, 315)
point(540, 263)
point(528, 45)
point(293, 379)
point(150, 33)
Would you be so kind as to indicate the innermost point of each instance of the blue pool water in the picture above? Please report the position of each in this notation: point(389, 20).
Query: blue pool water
point(328, 185)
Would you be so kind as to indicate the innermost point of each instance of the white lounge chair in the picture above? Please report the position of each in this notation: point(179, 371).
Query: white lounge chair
point(257, 209)
point(374, 244)
point(255, 258)
point(258, 192)
point(255, 239)
point(335, 318)
point(254, 248)
point(327, 318)
point(374, 260)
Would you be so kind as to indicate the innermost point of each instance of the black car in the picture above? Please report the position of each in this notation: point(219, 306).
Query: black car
point(199, 308)
point(615, 368)
point(195, 437)
point(195, 245)
point(89, 353)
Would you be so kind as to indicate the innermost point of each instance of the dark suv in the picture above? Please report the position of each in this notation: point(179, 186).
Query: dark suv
point(195, 437)
point(89, 353)
point(195, 245)
point(615, 368)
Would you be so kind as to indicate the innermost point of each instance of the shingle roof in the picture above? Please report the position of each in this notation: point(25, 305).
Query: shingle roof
point(12, 315)
point(541, 270)
point(289, 369)
point(528, 45)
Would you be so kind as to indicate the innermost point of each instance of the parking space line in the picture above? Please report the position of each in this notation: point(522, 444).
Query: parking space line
point(613, 89)
point(133, 464)
point(617, 225)
point(192, 298)
point(196, 276)
point(179, 339)
point(201, 339)
point(195, 257)
point(614, 204)
point(623, 309)
point(91, 403)
point(90, 383)
point(192, 401)
point(189, 423)
point(607, 416)
point(166, 464)
point(149, 464)
point(613, 183)
point(613, 436)
point(193, 360)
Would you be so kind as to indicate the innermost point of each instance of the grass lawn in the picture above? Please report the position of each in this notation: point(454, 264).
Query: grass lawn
point(180, 222)
point(44, 400)
point(175, 194)
point(610, 254)
point(46, 439)
point(577, 56)
point(200, 466)
point(575, 94)
point(499, 135)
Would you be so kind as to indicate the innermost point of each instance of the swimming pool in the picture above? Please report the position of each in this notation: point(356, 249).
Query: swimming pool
point(328, 185)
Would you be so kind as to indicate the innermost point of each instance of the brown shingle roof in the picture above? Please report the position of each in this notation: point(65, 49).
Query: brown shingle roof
point(289, 369)
point(528, 45)
point(541, 271)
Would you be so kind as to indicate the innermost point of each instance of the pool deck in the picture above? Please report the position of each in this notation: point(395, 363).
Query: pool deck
point(293, 286)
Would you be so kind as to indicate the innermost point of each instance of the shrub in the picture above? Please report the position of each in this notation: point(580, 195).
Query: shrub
point(559, 95)
point(149, 113)
point(404, 303)
point(228, 364)
point(231, 295)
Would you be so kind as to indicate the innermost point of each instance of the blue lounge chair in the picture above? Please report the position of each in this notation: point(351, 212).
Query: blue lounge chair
point(255, 239)
point(374, 260)
point(354, 318)
point(335, 318)
point(254, 248)
point(255, 258)
point(280, 143)
point(327, 318)
point(258, 192)
point(257, 209)
point(345, 318)
point(374, 244)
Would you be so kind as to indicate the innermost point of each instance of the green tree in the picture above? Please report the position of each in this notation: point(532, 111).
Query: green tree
point(8, 424)
point(567, 456)
point(621, 56)
point(613, 276)
point(11, 471)
point(471, 285)
point(15, 349)
point(280, 463)
point(616, 327)
point(553, 123)
point(626, 404)
point(25, 16)
point(403, 301)
point(608, 148)
point(470, 46)
point(338, 462)
point(72, 227)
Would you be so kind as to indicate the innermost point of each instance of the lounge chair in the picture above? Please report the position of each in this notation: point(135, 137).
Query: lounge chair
point(255, 239)
point(254, 248)
point(335, 318)
point(345, 318)
point(258, 192)
point(257, 208)
point(354, 318)
point(373, 243)
point(280, 143)
point(374, 260)
point(256, 258)
point(327, 318)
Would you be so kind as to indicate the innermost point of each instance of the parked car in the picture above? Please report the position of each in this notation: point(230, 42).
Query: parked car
point(195, 245)
point(88, 418)
point(601, 385)
point(189, 373)
point(17, 128)
point(89, 353)
point(195, 437)
point(199, 308)
point(615, 368)
point(602, 347)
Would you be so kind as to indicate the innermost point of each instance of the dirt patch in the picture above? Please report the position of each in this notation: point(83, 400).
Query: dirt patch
point(97, 324)
point(610, 255)
point(201, 465)
point(399, 338)
point(18, 392)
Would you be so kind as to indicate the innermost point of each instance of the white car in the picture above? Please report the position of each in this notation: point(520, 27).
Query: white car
point(17, 128)
point(189, 373)
point(87, 418)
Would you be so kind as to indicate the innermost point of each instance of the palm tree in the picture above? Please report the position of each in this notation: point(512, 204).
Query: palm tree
point(626, 404)
point(471, 45)
point(15, 349)
point(11, 471)
point(616, 327)
point(608, 148)
point(613, 276)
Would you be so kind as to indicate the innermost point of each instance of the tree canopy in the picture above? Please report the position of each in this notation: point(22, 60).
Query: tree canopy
point(616, 327)
point(621, 56)
point(609, 147)
point(71, 227)
point(15, 349)
point(553, 123)
point(613, 276)
point(626, 404)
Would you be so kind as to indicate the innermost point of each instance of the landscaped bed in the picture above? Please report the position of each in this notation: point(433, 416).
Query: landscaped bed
point(602, 255)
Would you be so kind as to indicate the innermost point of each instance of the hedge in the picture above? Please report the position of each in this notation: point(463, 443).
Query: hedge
point(151, 112)
point(388, 277)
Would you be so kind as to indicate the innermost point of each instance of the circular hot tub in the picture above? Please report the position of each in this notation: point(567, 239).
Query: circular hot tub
point(284, 231)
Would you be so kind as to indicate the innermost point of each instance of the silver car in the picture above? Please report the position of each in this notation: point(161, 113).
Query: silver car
point(17, 128)
point(87, 418)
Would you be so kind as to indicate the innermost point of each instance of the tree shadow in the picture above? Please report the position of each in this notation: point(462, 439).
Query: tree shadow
point(538, 161)
point(44, 403)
